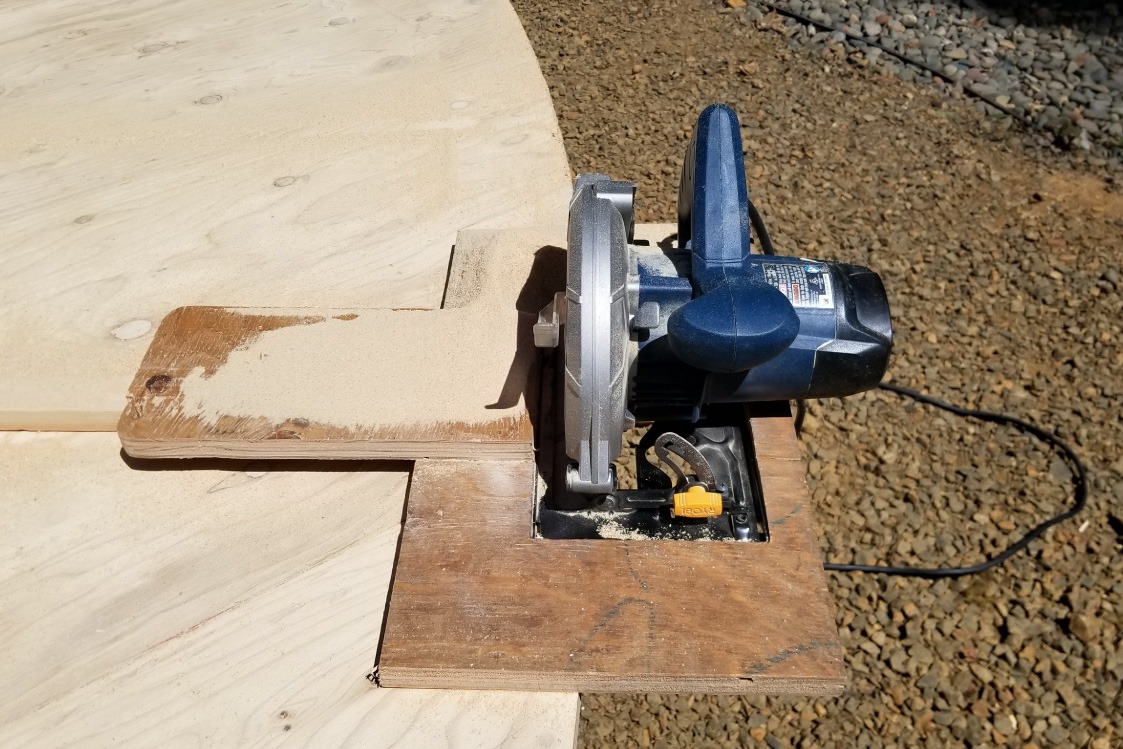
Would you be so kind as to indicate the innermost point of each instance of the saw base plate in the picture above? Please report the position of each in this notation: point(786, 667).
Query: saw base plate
point(726, 440)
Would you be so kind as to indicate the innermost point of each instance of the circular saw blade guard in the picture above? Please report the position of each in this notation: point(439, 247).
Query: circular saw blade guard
point(596, 331)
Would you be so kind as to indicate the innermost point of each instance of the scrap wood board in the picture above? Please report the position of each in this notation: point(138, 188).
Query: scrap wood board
point(359, 383)
point(478, 603)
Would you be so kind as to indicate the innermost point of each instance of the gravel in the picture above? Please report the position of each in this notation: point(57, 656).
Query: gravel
point(1059, 65)
point(1002, 262)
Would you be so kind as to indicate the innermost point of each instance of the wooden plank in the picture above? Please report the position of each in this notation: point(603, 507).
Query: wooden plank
point(227, 604)
point(359, 383)
point(355, 383)
point(478, 603)
point(156, 154)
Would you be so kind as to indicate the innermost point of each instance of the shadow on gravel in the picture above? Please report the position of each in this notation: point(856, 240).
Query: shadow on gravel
point(1087, 16)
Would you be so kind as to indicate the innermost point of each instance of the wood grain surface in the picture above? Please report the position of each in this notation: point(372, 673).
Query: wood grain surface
point(228, 604)
point(478, 603)
point(157, 154)
point(391, 384)
point(160, 154)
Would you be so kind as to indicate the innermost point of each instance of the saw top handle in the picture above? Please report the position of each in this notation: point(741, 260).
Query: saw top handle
point(713, 202)
point(735, 321)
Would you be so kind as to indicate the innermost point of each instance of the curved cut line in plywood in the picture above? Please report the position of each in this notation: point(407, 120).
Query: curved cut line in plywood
point(157, 155)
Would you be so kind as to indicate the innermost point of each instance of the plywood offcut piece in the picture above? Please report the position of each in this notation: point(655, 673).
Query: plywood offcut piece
point(393, 384)
point(159, 154)
point(359, 383)
point(478, 603)
point(228, 604)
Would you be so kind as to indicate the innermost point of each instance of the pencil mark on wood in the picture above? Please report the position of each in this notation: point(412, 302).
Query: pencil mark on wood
point(787, 653)
point(606, 619)
point(795, 510)
point(631, 567)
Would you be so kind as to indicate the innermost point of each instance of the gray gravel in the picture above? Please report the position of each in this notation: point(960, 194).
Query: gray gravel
point(1060, 65)
point(1003, 263)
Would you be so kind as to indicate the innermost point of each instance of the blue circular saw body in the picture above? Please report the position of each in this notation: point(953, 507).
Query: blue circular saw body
point(716, 323)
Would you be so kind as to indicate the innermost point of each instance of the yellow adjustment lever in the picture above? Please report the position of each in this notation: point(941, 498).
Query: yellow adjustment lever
point(696, 502)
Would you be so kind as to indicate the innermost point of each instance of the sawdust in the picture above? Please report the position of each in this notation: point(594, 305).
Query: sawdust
point(422, 378)
point(378, 368)
point(608, 527)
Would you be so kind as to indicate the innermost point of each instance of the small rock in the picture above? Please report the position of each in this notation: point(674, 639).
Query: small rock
point(1087, 628)
point(898, 661)
point(930, 680)
point(1095, 69)
point(1056, 734)
point(774, 742)
point(976, 733)
point(982, 673)
point(1005, 724)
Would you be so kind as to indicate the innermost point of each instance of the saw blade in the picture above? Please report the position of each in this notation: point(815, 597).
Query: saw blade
point(596, 333)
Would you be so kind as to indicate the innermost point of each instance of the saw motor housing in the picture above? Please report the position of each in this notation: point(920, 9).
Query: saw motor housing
point(674, 335)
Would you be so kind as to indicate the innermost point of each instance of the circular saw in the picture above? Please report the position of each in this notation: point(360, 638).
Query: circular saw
point(679, 337)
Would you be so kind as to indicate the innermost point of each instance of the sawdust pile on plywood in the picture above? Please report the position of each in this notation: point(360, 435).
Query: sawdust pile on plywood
point(381, 368)
point(609, 527)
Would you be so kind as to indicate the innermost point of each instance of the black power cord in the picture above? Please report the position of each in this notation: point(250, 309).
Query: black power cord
point(757, 222)
point(1079, 474)
point(1079, 493)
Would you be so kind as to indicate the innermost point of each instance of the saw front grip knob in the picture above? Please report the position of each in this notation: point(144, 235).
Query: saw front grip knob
point(735, 326)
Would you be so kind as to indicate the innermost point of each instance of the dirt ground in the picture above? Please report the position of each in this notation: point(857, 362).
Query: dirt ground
point(1002, 258)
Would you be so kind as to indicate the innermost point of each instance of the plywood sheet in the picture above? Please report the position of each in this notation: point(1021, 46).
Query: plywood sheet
point(477, 602)
point(155, 155)
point(223, 603)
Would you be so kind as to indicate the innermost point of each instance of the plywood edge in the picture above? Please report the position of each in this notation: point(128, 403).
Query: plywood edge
point(297, 449)
point(828, 685)
point(58, 421)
